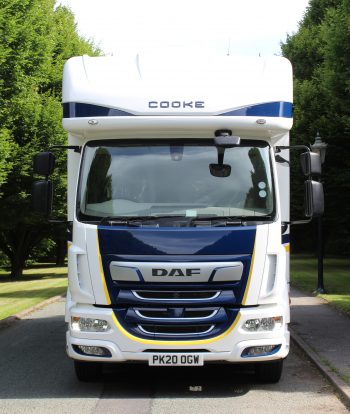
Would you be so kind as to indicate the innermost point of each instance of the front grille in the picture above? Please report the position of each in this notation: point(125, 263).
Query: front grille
point(176, 314)
point(176, 330)
point(179, 313)
point(175, 295)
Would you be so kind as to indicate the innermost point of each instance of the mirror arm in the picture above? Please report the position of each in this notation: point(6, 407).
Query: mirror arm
point(221, 154)
point(296, 147)
point(75, 148)
point(291, 223)
point(58, 221)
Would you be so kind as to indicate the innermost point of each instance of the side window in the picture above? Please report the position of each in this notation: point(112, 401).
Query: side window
point(99, 182)
point(259, 195)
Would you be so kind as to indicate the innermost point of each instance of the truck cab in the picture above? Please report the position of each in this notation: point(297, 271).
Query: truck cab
point(179, 211)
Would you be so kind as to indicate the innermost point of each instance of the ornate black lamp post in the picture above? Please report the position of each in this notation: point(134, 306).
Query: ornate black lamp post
point(320, 147)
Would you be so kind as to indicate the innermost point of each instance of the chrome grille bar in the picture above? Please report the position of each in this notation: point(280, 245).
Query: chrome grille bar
point(178, 295)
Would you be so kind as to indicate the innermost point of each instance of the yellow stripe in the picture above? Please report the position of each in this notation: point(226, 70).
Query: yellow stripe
point(103, 279)
point(172, 343)
point(287, 247)
point(250, 275)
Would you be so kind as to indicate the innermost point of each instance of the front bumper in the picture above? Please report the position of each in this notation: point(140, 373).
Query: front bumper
point(228, 347)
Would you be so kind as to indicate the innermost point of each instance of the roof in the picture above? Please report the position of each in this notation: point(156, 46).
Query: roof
point(172, 86)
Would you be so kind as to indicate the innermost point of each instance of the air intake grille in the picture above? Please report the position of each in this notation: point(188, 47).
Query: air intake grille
point(176, 330)
point(175, 295)
point(173, 315)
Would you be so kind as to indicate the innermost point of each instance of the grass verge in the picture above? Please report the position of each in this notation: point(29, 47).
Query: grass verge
point(336, 278)
point(38, 284)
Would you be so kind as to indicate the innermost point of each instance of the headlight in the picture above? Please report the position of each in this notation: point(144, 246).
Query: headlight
point(89, 324)
point(263, 324)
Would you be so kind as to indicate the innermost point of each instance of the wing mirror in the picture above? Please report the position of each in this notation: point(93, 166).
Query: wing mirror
point(44, 163)
point(42, 196)
point(42, 191)
point(310, 163)
point(313, 198)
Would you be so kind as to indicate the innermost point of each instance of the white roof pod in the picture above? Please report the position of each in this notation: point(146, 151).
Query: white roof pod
point(250, 96)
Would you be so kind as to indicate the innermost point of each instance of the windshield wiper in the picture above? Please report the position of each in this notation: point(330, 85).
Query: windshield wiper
point(134, 220)
point(218, 221)
point(214, 221)
point(257, 218)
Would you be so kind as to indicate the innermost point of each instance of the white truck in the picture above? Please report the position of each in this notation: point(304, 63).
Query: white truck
point(178, 209)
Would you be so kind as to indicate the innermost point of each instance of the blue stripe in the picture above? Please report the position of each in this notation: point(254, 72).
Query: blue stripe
point(285, 238)
point(270, 109)
point(79, 110)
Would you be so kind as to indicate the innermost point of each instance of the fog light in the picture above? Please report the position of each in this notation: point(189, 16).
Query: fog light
point(92, 350)
point(254, 351)
point(263, 324)
point(89, 324)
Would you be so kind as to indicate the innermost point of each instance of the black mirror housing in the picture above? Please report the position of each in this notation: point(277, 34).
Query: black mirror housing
point(44, 163)
point(310, 163)
point(313, 199)
point(42, 197)
point(225, 139)
point(220, 170)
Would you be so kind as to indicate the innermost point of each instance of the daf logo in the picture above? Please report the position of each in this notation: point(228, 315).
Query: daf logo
point(176, 104)
point(176, 272)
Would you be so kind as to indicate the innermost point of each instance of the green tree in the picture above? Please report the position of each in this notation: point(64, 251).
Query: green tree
point(36, 39)
point(7, 150)
point(320, 54)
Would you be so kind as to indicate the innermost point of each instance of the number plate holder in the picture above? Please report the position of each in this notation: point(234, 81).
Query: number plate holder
point(175, 359)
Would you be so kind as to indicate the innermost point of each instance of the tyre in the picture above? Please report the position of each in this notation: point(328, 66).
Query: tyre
point(269, 372)
point(87, 371)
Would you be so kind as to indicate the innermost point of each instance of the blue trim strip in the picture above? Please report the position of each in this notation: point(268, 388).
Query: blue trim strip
point(270, 109)
point(285, 238)
point(79, 110)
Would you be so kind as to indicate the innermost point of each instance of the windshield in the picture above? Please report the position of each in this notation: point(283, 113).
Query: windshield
point(152, 178)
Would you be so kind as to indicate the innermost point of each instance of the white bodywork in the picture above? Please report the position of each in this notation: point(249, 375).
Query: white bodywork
point(218, 87)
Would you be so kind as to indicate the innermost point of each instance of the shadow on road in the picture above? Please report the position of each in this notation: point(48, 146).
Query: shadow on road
point(136, 380)
point(33, 365)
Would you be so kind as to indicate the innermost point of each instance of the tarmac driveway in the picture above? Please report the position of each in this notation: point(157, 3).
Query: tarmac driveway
point(37, 377)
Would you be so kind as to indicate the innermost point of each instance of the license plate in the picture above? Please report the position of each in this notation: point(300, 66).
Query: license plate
point(176, 359)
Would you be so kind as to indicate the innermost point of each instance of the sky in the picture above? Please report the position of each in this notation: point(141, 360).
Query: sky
point(218, 27)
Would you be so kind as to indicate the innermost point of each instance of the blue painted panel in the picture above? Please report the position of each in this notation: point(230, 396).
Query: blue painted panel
point(176, 241)
point(285, 238)
point(181, 244)
point(189, 244)
point(270, 109)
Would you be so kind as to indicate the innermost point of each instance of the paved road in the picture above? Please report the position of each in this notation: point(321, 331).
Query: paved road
point(37, 377)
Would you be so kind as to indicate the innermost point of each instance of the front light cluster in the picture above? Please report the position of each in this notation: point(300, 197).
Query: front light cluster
point(255, 351)
point(263, 324)
point(89, 324)
point(92, 350)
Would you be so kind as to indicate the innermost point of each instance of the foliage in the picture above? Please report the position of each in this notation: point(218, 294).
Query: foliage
point(7, 149)
point(320, 54)
point(36, 39)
